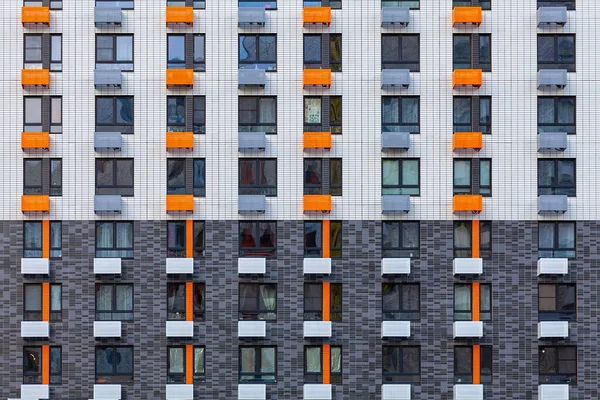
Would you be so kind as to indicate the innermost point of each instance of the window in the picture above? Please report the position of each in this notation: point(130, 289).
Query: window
point(400, 176)
point(266, 4)
point(485, 52)
point(176, 301)
point(32, 114)
point(34, 181)
point(114, 239)
point(198, 4)
point(177, 107)
point(258, 52)
point(570, 4)
point(55, 177)
point(176, 364)
point(55, 239)
point(257, 114)
point(463, 305)
point(335, 114)
point(313, 239)
point(315, 118)
point(401, 364)
point(312, 51)
point(258, 301)
point(199, 183)
point(313, 301)
point(412, 4)
point(177, 176)
point(313, 360)
point(556, 240)
point(556, 177)
point(557, 302)
point(114, 176)
point(32, 310)
point(473, 176)
point(401, 239)
point(114, 302)
point(471, 119)
point(32, 239)
point(463, 55)
point(258, 238)
point(199, 52)
point(176, 239)
point(400, 301)
point(556, 114)
point(34, 44)
point(313, 176)
point(258, 364)
point(485, 4)
point(462, 51)
point(32, 176)
point(114, 112)
point(463, 239)
point(32, 364)
point(54, 4)
point(114, 364)
point(122, 4)
point(400, 114)
point(335, 51)
point(400, 52)
point(199, 246)
point(463, 364)
point(176, 51)
point(114, 51)
point(258, 176)
point(556, 52)
point(558, 364)
point(334, 4)
point(32, 47)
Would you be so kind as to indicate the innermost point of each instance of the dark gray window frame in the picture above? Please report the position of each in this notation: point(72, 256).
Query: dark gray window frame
point(401, 376)
point(558, 376)
point(317, 377)
point(271, 128)
point(401, 185)
point(258, 250)
point(401, 251)
point(115, 188)
point(555, 64)
point(115, 126)
point(467, 376)
point(55, 315)
point(401, 63)
point(114, 310)
point(558, 314)
point(325, 186)
point(475, 186)
point(257, 38)
point(466, 252)
point(468, 313)
point(114, 60)
point(557, 126)
point(257, 374)
point(385, 126)
point(259, 164)
point(485, 4)
point(401, 3)
point(114, 239)
point(557, 251)
point(474, 47)
point(255, 314)
point(335, 251)
point(197, 126)
point(114, 376)
point(407, 313)
point(555, 187)
point(36, 377)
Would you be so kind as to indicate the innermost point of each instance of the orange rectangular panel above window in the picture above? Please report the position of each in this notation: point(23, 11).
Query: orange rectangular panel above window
point(467, 140)
point(31, 15)
point(467, 202)
point(317, 78)
point(467, 78)
point(317, 202)
point(469, 15)
point(180, 140)
point(180, 16)
point(316, 16)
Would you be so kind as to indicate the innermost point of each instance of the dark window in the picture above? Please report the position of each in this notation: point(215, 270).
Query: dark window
point(32, 300)
point(313, 360)
point(198, 4)
point(485, 4)
point(400, 301)
point(176, 364)
point(463, 364)
point(266, 4)
point(556, 177)
point(176, 176)
point(55, 364)
point(32, 239)
point(313, 239)
point(400, 114)
point(176, 301)
point(199, 52)
point(335, 114)
point(556, 240)
point(463, 239)
point(313, 56)
point(114, 176)
point(556, 52)
point(335, 52)
point(335, 176)
point(258, 301)
point(462, 176)
point(114, 364)
point(32, 176)
point(32, 114)
point(258, 364)
point(199, 241)
point(400, 52)
point(114, 52)
point(401, 364)
point(123, 4)
point(258, 238)
point(32, 364)
point(32, 48)
point(463, 115)
point(485, 115)
point(463, 305)
point(570, 4)
point(116, 112)
point(257, 114)
point(465, 176)
point(334, 4)
point(313, 110)
point(485, 52)
point(400, 176)
point(199, 121)
point(199, 300)
point(114, 302)
point(557, 302)
point(313, 301)
point(313, 176)
point(556, 114)
point(462, 52)
point(412, 4)
point(258, 52)
point(485, 176)
point(176, 114)
point(175, 51)
point(258, 176)
point(199, 177)
point(55, 177)
point(114, 239)
point(176, 239)
point(558, 364)
point(55, 239)
point(401, 239)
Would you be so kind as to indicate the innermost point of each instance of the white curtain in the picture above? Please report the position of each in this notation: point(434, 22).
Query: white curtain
point(313, 359)
point(176, 355)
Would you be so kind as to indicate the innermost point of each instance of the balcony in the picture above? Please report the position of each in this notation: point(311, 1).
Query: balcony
point(249, 141)
point(248, 203)
point(180, 329)
point(107, 78)
point(467, 78)
point(467, 202)
point(180, 392)
point(553, 204)
point(395, 203)
point(553, 329)
point(468, 392)
point(317, 202)
point(252, 266)
point(107, 203)
point(107, 392)
point(395, 78)
point(180, 202)
point(180, 140)
point(317, 78)
point(180, 78)
point(251, 78)
point(552, 79)
point(551, 17)
point(313, 16)
point(180, 266)
point(31, 16)
point(248, 16)
point(316, 266)
point(34, 392)
point(35, 266)
point(552, 141)
point(252, 392)
point(180, 16)
point(467, 266)
point(467, 140)
point(317, 392)
point(553, 392)
point(107, 16)
point(553, 266)
point(395, 16)
point(395, 266)
point(35, 78)
point(107, 266)
point(35, 140)
point(107, 141)
point(317, 140)
point(107, 329)
point(252, 329)
point(35, 329)
point(466, 16)
point(35, 203)
point(395, 141)
point(467, 329)
point(393, 329)
point(320, 329)
point(395, 392)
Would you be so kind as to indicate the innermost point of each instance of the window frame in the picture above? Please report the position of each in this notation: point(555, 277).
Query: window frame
point(257, 364)
point(555, 64)
point(485, 4)
point(468, 313)
point(557, 314)
point(399, 377)
point(335, 65)
point(180, 377)
point(114, 60)
point(394, 252)
point(124, 189)
point(55, 190)
point(257, 250)
point(36, 378)
point(114, 374)
point(312, 64)
point(557, 377)
point(258, 3)
point(114, 239)
point(570, 4)
point(557, 126)
point(316, 314)
point(462, 189)
point(114, 122)
point(413, 315)
point(467, 377)
point(556, 235)
point(259, 167)
point(485, 66)
point(555, 187)
point(272, 64)
point(268, 128)
point(171, 189)
point(178, 64)
point(176, 251)
point(401, 186)
point(400, 62)
point(260, 314)
point(401, 3)
point(38, 250)
point(114, 309)
point(26, 37)
point(31, 188)
point(466, 252)
point(389, 126)
point(35, 315)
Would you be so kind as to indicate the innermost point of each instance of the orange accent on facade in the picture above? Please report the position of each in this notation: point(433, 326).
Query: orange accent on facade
point(180, 77)
point(35, 15)
point(476, 364)
point(326, 301)
point(180, 202)
point(45, 364)
point(35, 140)
point(35, 77)
point(45, 239)
point(189, 364)
point(180, 140)
point(467, 77)
point(467, 202)
point(317, 140)
point(180, 15)
point(317, 202)
point(189, 238)
point(316, 16)
point(326, 364)
point(189, 301)
point(317, 77)
point(475, 239)
point(35, 203)
point(475, 300)
point(467, 140)
point(470, 15)
point(326, 238)
point(46, 302)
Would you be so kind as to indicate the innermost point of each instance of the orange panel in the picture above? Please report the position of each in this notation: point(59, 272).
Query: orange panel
point(35, 203)
point(467, 202)
point(45, 364)
point(317, 16)
point(189, 301)
point(189, 364)
point(467, 77)
point(467, 140)
point(476, 364)
point(326, 364)
point(326, 301)
point(326, 239)
point(180, 15)
point(317, 140)
point(45, 239)
point(180, 202)
point(475, 239)
point(46, 301)
point(475, 301)
point(317, 78)
point(317, 202)
point(189, 238)
point(180, 140)
point(466, 16)
point(35, 140)
point(35, 15)
point(35, 77)
point(180, 77)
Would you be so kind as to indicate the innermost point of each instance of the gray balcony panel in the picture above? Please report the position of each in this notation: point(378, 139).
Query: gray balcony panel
point(252, 141)
point(252, 203)
point(391, 16)
point(552, 141)
point(549, 203)
point(107, 203)
point(395, 140)
point(391, 78)
point(391, 203)
point(251, 16)
point(551, 16)
point(252, 78)
point(107, 16)
point(107, 141)
point(107, 78)
point(552, 78)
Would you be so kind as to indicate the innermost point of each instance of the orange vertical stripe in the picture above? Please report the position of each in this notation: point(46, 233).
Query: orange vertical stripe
point(475, 301)
point(326, 364)
point(326, 239)
point(189, 239)
point(45, 365)
point(189, 301)
point(189, 364)
point(326, 301)
point(46, 301)
point(475, 239)
point(476, 364)
point(45, 239)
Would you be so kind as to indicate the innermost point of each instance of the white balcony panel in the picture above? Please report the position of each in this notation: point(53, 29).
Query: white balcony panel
point(553, 266)
point(107, 392)
point(395, 329)
point(180, 265)
point(395, 266)
point(37, 266)
point(468, 392)
point(553, 392)
point(395, 392)
point(35, 329)
point(468, 329)
point(467, 266)
point(103, 329)
point(252, 329)
point(317, 328)
point(317, 392)
point(35, 392)
point(252, 266)
point(180, 328)
point(107, 266)
point(553, 329)
point(252, 392)
point(320, 266)
point(180, 392)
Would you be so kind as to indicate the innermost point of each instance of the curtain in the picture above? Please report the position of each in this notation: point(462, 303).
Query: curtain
point(267, 110)
point(124, 298)
point(267, 360)
point(125, 110)
point(176, 360)
point(247, 360)
point(55, 298)
point(176, 298)
point(104, 235)
point(391, 110)
point(104, 360)
point(268, 294)
point(104, 297)
point(462, 236)
point(268, 173)
point(462, 298)
point(410, 235)
point(312, 110)
point(312, 235)
point(124, 360)
point(198, 360)
point(124, 235)
point(336, 360)
point(313, 359)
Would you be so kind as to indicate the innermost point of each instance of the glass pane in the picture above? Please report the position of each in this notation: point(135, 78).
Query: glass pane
point(411, 360)
point(199, 172)
point(176, 360)
point(410, 110)
point(313, 359)
point(565, 296)
point(312, 110)
point(463, 360)
point(485, 111)
point(104, 48)
point(267, 362)
point(56, 48)
point(410, 235)
point(104, 235)
point(312, 49)
point(336, 360)
point(410, 48)
point(547, 360)
point(390, 112)
point(462, 298)
point(545, 110)
point(33, 172)
point(312, 235)
point(125, 110)
point(104, 110)
point(176, 110)
point(55, 172)
point(33, 298)
point(176, 174)
point(248, 50)
point(485, 173)
point(566, 235)
point(267, 110)
point(124, 359)
point(312, 172)
point(566, 110)
point(335, 108)
point(55, 361)
point(267, 48)
point(390, 48)
point(198, 360)
point(247, 360)
point(410, 297)
point(56, 110)
point(545, 48)
point(566, 173)
point(176, 49)
point(462, 172)
point(410, 172)
point(546, 236)
point(391, 297)
point(104, 360)
point(462, 50)
point(485, 297)
point(335, 165)
point(198, 48)
point(32, 360)
point(33, 110)
point(32, 235)
point(566, 49)
point(124, 295)
point(391, 359)
point(391, 172)
point(55, 298)
point(124, 48)
point(485, 54)
point(335, 48)
point(391, 235)
point(462, 110)
point(104, 297)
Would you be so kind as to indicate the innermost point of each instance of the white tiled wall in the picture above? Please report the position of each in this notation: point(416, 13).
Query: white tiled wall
point(512, 85)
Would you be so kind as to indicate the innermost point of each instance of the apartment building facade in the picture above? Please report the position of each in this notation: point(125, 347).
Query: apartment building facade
point(298, 199)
